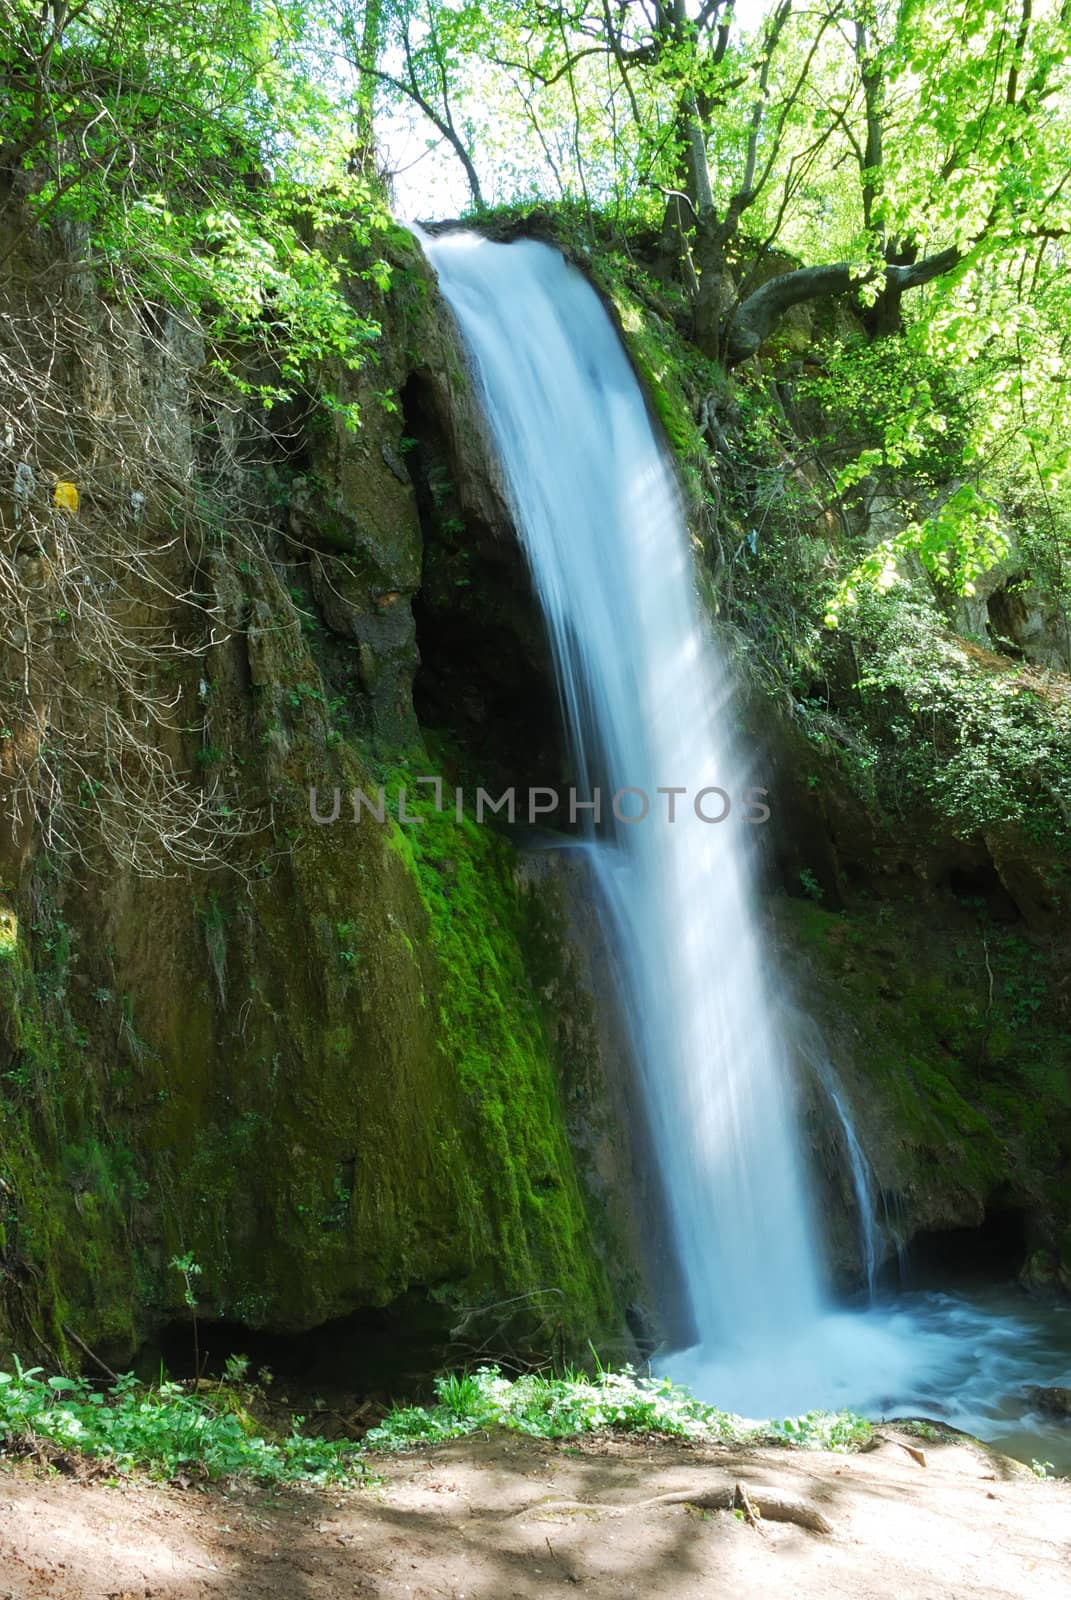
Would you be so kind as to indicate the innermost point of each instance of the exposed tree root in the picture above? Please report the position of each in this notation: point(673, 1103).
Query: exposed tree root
point(756, 1504)
point(917, 1455)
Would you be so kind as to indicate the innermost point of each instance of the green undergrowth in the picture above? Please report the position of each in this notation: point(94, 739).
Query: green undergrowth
point(578, 1403)
point(163, 1431)
point(943, 726)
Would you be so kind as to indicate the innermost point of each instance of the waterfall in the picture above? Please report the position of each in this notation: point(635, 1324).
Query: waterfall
point(650, 716)
point(649, 710)
point(864, 1188)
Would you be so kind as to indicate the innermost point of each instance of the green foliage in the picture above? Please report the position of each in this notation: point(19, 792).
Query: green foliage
point(188, 1269)
point(191, 150)
point(823, 1430)
point(978, 740)
point(162, 1431)
point(560, 1408)
point(900, 406)
point(965, 537)
point(166, 1430)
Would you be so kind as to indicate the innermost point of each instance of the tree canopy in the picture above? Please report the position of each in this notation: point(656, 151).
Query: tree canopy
point(911, 159)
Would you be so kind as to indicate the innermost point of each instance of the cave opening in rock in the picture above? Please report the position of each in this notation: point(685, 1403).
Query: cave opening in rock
point(394, 1350)
point(962, 1258)
point(979, 883)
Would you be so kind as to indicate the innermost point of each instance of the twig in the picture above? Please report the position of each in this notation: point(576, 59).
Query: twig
point(570, 1577)
point(743, 1502)
point(103, 1365)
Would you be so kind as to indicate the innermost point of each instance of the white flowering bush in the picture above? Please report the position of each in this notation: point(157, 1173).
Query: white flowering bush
point(556, 1408)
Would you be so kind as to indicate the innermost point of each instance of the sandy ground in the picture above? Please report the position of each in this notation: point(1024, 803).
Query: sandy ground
point(484, 1520)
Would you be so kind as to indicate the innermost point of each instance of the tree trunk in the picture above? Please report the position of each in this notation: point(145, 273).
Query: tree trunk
point(716, 293)
point(371, 38)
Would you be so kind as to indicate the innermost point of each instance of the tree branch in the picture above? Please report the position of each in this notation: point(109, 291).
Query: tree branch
point(756, 318)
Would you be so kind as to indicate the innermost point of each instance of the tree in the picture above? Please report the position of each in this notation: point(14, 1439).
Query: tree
point(427, 44)
point(190, 172)
point(934, 133)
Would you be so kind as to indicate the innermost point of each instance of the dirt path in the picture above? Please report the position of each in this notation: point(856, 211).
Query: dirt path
point(464, 1521)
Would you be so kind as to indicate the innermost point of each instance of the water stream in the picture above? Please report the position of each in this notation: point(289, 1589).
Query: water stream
point(650, 715)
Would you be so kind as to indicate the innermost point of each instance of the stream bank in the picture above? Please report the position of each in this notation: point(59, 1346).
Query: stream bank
point(501, 1518)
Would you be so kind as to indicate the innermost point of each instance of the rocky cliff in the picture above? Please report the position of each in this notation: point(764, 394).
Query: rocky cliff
point(273, 1071)
point(257, 1068)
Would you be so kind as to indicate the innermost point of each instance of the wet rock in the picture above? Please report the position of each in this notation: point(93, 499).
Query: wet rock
point(1052, 1401)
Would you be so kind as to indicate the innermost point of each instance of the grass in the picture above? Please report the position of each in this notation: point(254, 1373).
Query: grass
point(165, 1431)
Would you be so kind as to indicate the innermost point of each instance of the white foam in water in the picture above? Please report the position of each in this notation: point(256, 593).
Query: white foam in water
point(964, 1360)
point(648, 707)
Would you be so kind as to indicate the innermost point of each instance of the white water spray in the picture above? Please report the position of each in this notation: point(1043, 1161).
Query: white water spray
point(648, 708)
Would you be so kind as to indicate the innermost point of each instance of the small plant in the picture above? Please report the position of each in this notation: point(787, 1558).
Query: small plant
point(236, 1368)
point(822, 1430)
point(922, 1430)
point(346, 933)
point(1043, 1469)
point(189, 1270)
point(810, 885)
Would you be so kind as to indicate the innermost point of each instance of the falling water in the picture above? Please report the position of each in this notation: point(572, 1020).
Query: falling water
point(864, 1185)
point(649, 710)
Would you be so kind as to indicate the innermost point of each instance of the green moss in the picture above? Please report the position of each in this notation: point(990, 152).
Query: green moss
point(348, 1132)
point(666, 366)
point(334, 1070)
point(66, 1186)
point(490, 1031)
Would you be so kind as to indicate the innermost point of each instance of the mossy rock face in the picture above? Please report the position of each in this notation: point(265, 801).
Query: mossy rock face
point(66, 1181)
point(329, 1088)
point(394, 1120)
point(328, 1076)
